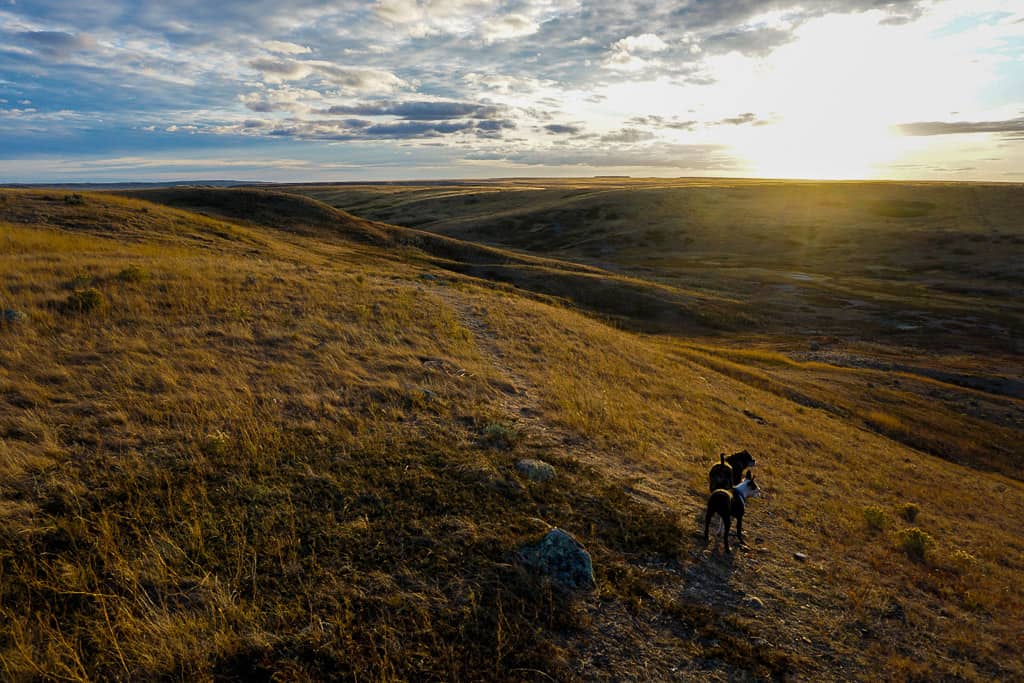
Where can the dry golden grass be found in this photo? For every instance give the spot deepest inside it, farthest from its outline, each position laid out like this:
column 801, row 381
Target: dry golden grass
column 281, row 454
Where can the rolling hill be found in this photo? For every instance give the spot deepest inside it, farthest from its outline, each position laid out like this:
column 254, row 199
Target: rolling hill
column 249, row 435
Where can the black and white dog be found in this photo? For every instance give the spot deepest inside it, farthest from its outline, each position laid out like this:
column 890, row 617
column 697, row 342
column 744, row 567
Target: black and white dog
column 729, row 503
column 729, row 471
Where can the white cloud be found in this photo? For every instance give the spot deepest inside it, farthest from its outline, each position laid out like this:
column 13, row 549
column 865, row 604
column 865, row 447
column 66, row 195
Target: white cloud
column 624, row 56
column 284, row 48
column 509, row 26
column 647, row 42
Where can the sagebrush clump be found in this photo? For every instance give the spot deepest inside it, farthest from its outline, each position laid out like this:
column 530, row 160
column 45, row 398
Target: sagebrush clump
column 909, row 511
column 84, row 301
column 916, row 543
column 875, row 517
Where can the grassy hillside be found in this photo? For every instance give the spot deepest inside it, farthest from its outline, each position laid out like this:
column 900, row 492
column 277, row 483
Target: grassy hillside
column 270, row 440
column 931, row 265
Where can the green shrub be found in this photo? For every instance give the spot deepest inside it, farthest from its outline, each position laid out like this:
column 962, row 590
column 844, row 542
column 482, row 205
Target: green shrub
column 961, row 560
column 74, row 198
column 915, row 542
column 875, row 517
column 84, row 301
column 501, row 435
column 133, row 274
column 908, row 511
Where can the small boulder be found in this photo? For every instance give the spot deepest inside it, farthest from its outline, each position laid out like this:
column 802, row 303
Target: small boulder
column 561, row 557
column 753, row 602
column 535, row 470
column 799, row 556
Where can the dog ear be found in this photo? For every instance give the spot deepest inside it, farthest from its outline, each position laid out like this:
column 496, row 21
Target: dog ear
column 750, row 475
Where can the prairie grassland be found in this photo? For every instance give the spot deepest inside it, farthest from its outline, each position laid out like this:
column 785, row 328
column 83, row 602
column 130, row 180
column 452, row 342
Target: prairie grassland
column 268, row 451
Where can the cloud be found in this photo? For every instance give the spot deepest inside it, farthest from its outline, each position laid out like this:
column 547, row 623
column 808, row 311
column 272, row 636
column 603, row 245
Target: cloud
column 54, row 43
column 624, row 54
column 647, row 42
column 284, row 48
column 653, row 121
column 563, row 129
column 753, row 42
column 421, row 110
column 628, row 136
column 361, row 129
column 276, row 70
column 354, row 79
column 358, row 79
column 747, row 118
column 1008, row 127
column 280, row 99
column 508, row 26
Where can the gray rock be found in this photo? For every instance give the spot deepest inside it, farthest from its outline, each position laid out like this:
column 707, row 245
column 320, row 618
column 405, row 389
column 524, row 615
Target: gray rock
column 428, row 276
column 536, row 470
column 799, row 556
column 12, row 316
column 561, row 557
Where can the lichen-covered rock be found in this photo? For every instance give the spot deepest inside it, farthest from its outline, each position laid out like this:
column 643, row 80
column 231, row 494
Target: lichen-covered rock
column 535, row 470
column 561, row 557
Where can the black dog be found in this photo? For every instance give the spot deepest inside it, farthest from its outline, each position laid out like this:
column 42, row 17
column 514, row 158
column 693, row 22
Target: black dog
column 729, row 503
column 729, row 471
column 720, row 476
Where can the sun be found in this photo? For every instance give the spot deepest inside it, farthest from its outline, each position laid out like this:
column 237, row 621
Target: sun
column 818, row 149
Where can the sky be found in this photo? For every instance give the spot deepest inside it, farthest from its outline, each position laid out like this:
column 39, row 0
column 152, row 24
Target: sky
column 305, row 90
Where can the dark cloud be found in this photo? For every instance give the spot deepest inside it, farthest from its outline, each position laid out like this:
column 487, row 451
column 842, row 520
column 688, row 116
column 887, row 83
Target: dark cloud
column 653, row 121
column 1010, row 127
column 757, row 42
column 422, row 110
column 359, row 129
column 563, row 129
column 628, row 136
column 745, row 119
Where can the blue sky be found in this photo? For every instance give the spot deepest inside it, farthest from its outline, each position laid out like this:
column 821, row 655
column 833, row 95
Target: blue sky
column 294, row 90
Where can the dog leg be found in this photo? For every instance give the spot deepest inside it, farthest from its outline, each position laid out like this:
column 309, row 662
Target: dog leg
column 739, row 530
column 726, row 522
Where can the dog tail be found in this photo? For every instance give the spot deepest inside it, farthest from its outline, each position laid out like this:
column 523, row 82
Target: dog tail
column 721, row 458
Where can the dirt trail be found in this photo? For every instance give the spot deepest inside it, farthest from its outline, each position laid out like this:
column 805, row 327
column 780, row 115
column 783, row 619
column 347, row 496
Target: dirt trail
column 520, row 399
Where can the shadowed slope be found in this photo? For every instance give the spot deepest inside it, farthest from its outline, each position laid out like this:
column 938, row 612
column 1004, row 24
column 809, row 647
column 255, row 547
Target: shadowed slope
column 635, row 302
